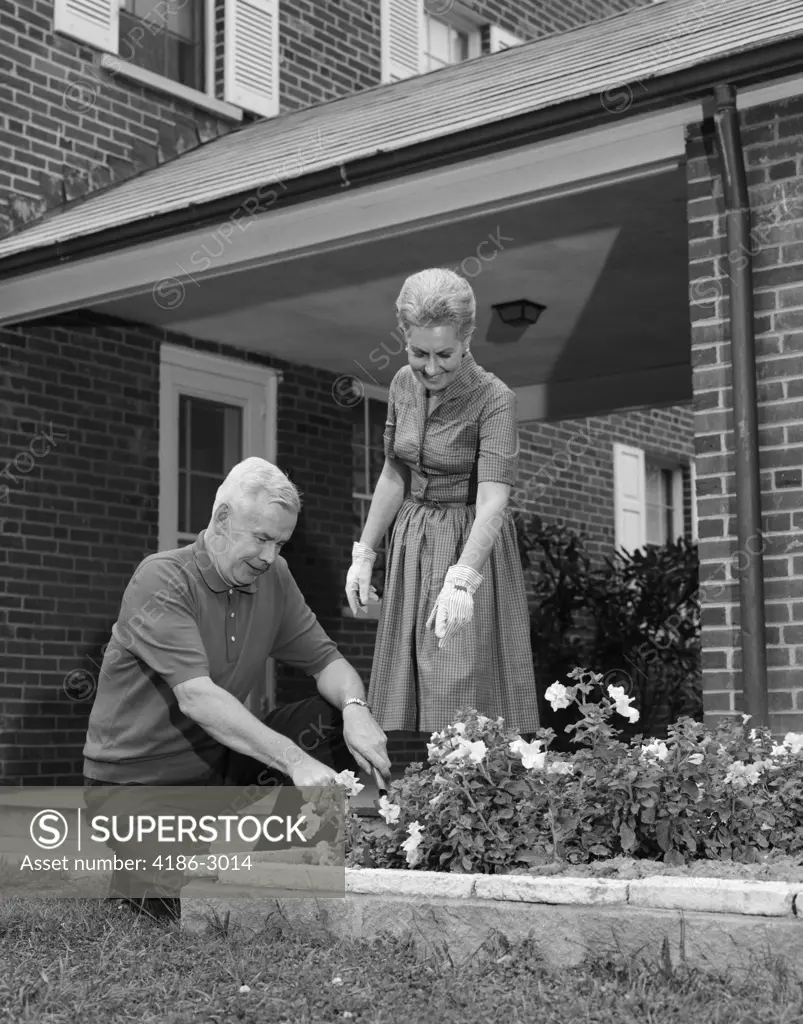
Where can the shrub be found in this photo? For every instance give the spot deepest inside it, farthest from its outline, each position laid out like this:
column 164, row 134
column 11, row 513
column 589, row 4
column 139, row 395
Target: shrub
column 635, row 619
column 489, row 802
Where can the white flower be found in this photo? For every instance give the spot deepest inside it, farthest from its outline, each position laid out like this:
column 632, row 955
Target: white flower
column 655, row 748
column 312, row 823
column 746, row 719
column 482, row 721
column 560, row 768
column 753, row 734
column 245, row 989
column 390, row 812
column 558, row 696
column 696, row 758
column 780, row 750
column 459, row 728
column 411, row 845
column 337, row 981
column 794, row 740
column 530, row 753
column 741, row 775
column 348, row 779
column 325, row 855
column 475, row 751
column 622, row 703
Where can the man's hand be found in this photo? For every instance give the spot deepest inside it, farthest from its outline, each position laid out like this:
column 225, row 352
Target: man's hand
column 309, row 773
column 366, row 741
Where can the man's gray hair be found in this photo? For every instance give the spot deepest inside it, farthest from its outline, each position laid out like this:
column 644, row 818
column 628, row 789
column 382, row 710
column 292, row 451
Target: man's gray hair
column 253, row 477
column 435, row 297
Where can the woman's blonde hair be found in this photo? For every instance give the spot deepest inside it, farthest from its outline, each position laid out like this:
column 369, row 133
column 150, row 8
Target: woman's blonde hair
column 435, row 297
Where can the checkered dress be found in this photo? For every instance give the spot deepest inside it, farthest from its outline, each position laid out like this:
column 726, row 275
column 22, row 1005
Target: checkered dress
column 469, row 438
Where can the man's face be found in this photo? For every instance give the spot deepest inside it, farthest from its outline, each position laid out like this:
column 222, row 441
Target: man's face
column 254, row 535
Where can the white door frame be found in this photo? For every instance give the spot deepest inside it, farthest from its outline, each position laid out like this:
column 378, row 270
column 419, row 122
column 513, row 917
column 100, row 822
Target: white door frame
column 255, row 389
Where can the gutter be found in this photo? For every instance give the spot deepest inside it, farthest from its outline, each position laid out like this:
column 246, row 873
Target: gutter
column 746, row 68
column 745, row 406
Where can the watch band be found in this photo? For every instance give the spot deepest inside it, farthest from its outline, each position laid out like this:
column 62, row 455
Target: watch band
column 355, row 700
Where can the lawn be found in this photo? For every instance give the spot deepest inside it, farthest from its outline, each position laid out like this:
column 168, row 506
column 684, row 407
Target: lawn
column 68, row 960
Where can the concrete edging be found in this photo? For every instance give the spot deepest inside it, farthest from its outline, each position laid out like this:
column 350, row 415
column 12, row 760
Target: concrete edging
column 725, row 923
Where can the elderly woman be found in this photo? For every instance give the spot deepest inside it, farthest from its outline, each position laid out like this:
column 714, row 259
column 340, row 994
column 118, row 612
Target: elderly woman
column 454, row 629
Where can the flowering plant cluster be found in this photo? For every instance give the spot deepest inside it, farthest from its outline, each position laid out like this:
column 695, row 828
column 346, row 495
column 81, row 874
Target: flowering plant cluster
column 491, row 801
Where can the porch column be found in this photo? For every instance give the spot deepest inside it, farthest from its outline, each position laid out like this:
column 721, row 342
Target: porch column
column 772, row 137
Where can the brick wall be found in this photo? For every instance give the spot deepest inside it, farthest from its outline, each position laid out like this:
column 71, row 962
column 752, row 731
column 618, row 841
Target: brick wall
column 773, row 143
column 566, row 467
column 79, row 445
column 532, row 19
column 69, row 127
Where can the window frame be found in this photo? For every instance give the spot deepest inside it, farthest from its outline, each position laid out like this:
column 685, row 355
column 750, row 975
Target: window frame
column 375, row 393
column 677, row 466
column 462, row 20
column 200, row 12
column 205, row 98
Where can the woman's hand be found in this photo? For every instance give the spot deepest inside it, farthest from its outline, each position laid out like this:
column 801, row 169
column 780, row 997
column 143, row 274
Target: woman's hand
column 358, row 580
column 454, row 607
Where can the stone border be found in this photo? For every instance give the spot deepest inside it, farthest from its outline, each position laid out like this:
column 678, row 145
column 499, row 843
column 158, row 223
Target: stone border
column 666, row 892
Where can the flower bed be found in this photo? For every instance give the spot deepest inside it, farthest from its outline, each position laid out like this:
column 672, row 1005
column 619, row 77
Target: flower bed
column 488, row 802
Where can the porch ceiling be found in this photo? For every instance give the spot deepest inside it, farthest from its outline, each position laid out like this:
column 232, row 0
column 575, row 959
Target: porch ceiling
column 610, row 265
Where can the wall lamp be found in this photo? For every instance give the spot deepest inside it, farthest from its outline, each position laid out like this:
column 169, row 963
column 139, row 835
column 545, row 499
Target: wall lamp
column 521, row 313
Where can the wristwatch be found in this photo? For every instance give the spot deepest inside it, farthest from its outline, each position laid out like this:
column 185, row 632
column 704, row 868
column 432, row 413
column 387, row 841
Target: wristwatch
column 355, row 700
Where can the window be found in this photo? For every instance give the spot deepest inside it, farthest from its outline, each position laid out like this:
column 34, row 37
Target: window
column 368, row 458
column 446, row 41
column 648, row 499
column 167, row 39
column 213, row 413
column 195, row 49
column 418, row 37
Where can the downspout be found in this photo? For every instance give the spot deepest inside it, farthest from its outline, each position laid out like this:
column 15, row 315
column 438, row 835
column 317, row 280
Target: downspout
column 745, row 407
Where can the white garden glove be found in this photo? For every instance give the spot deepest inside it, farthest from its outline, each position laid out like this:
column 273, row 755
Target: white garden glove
column 358, row 580
column 454, row 607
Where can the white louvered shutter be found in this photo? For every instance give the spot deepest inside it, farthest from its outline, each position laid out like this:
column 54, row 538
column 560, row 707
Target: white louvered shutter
column 500, row 39
column 93, row 22
column 693, row 496
column 402, row 28
column 251, row 55
column 629, row 497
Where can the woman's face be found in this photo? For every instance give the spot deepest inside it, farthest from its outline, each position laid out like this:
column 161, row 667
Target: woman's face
column 435, row 354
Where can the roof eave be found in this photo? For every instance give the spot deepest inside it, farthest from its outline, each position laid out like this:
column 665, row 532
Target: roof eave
column 748, row 68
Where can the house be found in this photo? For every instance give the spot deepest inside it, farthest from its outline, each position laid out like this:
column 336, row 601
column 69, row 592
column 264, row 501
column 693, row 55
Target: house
column 208, row 209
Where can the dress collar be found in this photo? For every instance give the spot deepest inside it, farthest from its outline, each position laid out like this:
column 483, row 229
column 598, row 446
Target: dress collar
column 467, row 379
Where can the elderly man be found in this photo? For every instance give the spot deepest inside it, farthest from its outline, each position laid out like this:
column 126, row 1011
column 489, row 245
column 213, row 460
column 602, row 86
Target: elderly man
column 195, row 629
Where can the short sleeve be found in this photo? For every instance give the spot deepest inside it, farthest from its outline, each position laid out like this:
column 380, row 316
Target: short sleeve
column 390, row 422
column 300, row 639
column 499, row 440
column 157, row 623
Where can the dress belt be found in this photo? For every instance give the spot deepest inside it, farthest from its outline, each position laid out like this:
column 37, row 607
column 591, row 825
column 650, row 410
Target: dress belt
column 432, row 503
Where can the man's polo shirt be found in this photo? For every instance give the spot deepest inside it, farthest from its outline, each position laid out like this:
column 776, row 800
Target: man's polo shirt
column 178, row 621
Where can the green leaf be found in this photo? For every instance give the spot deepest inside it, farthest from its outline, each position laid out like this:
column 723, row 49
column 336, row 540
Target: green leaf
column 628, row 837
column 662, row 833
column 674, row 858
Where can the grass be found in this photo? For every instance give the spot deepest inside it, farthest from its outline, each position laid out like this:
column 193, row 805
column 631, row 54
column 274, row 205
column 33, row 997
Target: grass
column 69, row 960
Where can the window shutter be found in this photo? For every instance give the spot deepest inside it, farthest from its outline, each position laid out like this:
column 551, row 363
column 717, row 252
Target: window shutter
column 251, row 55
column 500, row 39
column 629, row 497
column 93, row 22
column 402, row 28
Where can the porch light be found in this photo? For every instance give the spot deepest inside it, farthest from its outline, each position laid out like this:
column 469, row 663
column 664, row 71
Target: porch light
column 521, row 313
